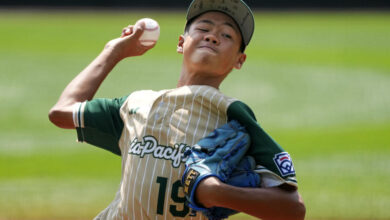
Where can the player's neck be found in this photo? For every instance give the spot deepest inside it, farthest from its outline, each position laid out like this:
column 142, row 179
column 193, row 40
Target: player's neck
column 194, row 76
column 198, row 79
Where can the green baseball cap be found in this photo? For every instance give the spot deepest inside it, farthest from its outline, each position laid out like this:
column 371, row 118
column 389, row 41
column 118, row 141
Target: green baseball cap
column 237, row 9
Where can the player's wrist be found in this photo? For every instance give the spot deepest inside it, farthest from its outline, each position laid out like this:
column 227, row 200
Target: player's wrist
column 111, row 55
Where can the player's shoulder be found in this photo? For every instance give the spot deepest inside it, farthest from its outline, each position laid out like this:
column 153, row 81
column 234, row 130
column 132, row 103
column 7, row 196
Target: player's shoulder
column 104, row 104
column 240, row 109
column 142, row 96
column 147, row 93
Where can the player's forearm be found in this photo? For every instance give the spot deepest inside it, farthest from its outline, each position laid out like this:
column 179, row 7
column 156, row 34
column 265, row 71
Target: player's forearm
column 264, row 203
column 82, row 87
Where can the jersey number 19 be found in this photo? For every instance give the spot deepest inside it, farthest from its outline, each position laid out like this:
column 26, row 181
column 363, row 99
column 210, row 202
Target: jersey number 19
column 174, row 196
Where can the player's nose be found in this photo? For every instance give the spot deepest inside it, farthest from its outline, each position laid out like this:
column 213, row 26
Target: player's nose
column 210, row 37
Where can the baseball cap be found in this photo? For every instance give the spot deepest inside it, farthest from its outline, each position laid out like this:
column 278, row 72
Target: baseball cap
column 237, row 9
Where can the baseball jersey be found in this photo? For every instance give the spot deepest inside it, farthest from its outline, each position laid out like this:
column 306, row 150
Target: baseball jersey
column 150, row 130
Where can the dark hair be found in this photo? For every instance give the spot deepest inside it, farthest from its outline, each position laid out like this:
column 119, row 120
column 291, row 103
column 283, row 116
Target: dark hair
column 188, row 25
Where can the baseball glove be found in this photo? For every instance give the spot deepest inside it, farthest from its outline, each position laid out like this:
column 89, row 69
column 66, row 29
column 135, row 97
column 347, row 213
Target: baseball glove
column 216, row 155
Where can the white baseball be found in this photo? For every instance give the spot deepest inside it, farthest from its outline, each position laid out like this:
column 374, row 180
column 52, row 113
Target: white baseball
column 151, row 32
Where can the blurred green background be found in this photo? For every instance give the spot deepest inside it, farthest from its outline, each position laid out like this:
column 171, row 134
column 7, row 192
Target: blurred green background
column 318, row 82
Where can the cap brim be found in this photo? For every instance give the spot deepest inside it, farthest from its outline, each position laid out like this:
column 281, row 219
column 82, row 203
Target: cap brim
column 237, row 9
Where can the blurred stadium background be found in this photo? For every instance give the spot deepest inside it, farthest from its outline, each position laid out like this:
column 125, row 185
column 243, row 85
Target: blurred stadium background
column 317, row 77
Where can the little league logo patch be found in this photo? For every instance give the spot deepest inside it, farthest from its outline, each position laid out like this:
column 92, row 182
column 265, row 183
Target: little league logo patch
column 284, row 163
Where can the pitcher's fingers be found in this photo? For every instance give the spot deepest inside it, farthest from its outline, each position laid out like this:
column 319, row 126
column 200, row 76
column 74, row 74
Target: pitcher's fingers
column 138, row 30
column 127, row 31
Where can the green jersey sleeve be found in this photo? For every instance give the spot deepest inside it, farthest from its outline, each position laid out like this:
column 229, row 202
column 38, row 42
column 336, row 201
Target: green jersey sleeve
column 98, row 122
column 269, row 155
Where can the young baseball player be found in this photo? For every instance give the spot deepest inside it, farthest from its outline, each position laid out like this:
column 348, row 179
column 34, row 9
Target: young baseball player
column 151, row 130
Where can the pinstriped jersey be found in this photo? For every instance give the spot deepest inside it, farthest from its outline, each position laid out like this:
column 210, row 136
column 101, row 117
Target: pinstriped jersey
column 152, row 129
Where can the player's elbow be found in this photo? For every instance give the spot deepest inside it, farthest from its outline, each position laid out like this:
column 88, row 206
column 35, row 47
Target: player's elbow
column 299, row 211
column 294, row 208
column 296, row 211
column 297, row 208
column 61, row 118
column 54, row 116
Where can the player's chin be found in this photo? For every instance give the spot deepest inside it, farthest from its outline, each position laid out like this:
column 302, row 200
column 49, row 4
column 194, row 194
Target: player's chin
column 203, row 61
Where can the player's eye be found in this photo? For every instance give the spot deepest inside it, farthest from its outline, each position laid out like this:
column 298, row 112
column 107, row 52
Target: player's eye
column 227, row 36
column 202, row 29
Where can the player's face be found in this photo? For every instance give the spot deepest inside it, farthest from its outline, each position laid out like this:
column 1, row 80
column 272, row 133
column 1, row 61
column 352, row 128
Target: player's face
column 212, row 45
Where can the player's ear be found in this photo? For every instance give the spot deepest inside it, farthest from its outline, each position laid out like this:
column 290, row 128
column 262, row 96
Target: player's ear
column 240, row 61
column 180, row 44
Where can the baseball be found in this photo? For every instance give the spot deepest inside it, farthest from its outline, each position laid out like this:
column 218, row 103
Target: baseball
column 151, row 31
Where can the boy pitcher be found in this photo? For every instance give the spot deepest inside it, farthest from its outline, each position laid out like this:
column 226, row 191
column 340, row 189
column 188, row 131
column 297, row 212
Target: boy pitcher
column 151, row 130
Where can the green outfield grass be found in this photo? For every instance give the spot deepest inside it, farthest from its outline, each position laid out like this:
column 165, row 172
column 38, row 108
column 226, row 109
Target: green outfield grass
column 318, row 82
